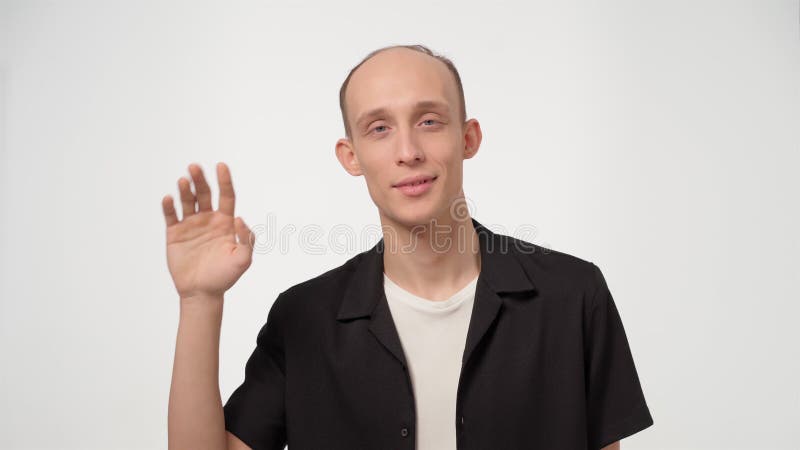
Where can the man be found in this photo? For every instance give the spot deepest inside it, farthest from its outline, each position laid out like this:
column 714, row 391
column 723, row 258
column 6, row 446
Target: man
column 444, row 335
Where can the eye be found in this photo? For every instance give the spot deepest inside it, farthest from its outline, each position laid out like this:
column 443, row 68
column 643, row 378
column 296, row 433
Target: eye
column 378, row 128
column 429, row 120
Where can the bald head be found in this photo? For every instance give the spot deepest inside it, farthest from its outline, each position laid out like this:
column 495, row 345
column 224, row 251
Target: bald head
column 394, row 74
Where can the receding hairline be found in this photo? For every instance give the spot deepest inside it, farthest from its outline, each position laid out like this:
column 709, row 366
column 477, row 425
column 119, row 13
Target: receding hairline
column 417, row 48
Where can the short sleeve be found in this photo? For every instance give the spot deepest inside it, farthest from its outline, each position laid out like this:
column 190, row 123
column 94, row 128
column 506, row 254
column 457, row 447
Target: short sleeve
column 616, row 407
column 255, row 410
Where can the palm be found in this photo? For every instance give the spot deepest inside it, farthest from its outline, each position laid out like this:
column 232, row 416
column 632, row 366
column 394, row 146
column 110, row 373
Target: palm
column 203, row 254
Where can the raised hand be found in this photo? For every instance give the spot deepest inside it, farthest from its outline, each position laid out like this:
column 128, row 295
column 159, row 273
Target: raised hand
column 203, row 254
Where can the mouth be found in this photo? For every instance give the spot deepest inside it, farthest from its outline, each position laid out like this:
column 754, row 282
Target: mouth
column 415, row 186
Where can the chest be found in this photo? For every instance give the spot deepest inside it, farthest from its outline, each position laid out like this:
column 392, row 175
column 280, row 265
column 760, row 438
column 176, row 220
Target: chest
column 350, row 383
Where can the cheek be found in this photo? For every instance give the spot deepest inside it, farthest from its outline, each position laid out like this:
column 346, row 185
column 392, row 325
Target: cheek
column 450, row 159
column 448, row 146
column 376, row 180
column 454, row 167
column 444, row 140
column 368, row 164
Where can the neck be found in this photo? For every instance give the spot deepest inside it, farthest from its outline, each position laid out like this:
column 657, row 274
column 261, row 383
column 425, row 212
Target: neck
column 431, row 260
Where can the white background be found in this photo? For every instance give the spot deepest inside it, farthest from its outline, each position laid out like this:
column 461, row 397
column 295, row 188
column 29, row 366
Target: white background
column 656, row 139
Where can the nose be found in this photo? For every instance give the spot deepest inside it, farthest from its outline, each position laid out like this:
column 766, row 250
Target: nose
column 409, row 151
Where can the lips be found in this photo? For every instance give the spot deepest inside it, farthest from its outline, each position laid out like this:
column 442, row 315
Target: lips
column 415, row 180
column 416, row 186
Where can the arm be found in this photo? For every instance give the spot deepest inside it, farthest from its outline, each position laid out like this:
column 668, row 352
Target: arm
column 616, row 407
column 194, row 394
column 614, row 446
column 195, row 417
column 204, row 260
column 234, row 443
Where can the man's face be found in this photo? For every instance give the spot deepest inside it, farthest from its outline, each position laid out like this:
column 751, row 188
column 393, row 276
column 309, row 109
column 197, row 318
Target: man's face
column 405, row 120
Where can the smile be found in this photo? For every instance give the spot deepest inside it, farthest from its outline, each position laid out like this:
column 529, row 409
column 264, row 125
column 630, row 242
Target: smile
column 416, row 187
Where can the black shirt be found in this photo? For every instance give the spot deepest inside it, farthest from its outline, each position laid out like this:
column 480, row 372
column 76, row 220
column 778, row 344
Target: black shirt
column 546, row 363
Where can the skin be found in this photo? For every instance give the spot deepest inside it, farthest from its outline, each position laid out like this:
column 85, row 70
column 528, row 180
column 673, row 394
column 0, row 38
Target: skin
column 406, row 140
column 208, row 250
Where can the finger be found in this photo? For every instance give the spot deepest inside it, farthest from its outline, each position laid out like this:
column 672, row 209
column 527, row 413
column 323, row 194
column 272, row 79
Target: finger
column 168, row 206
column 227, row 198
column 201, row 188
column 187, row 197
column 246, row 237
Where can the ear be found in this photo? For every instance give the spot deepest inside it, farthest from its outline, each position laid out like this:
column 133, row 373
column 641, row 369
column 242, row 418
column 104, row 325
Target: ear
column 346, row 155
column 472, row 138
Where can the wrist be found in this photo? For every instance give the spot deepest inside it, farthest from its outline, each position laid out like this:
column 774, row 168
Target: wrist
column 202, row 300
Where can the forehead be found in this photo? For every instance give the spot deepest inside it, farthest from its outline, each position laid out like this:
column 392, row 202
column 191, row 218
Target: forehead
column 399, row 78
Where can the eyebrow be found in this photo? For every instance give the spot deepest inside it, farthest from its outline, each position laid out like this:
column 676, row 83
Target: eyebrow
column 423, row 104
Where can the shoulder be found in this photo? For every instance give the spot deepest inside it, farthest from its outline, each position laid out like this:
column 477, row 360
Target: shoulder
column 553, row 270
column 320, row 290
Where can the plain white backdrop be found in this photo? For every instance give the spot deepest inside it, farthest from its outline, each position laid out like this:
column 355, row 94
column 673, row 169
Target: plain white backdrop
column 660, row 140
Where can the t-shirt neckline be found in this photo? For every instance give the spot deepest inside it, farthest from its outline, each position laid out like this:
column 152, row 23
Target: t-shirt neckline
column 431, row 305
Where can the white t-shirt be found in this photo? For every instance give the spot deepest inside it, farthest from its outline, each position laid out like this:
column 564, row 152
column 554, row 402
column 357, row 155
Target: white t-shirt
column 433, row 335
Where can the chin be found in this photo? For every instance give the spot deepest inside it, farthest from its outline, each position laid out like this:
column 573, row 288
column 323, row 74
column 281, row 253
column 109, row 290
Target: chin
column 410, row 216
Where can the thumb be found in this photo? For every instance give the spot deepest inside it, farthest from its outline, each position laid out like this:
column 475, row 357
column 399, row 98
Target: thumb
column 246, row 237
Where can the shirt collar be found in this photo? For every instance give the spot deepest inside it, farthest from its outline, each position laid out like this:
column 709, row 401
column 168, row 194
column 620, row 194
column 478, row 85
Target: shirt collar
column 501, row 270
